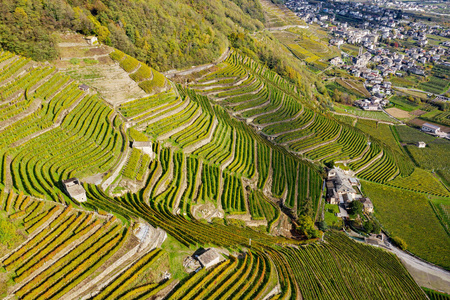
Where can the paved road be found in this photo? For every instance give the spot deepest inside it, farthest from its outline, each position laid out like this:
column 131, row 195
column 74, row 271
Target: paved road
column 425, row 274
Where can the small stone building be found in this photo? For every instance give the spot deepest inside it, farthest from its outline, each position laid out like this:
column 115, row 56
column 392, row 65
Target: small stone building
column 209, row 258
column 74, row 189
column 84, row 87
column 92, row 40
column 421, row 144
column 146, row 147
column 367, row 205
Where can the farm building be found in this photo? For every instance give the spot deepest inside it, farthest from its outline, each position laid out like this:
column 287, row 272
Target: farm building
column 431, row 128
column 337, row 61
column 146, row 147
column 74, row 189
column 421, row 144
column 84, row 87
column 367, row 205
column 209, row 258
column 91, row 40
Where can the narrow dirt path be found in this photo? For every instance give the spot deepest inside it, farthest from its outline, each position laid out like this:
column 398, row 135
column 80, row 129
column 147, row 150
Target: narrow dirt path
column 321, row 144
column 203, row 141
column 283, row 121
column 166, row 135
column 294, row 130
column 370, row 163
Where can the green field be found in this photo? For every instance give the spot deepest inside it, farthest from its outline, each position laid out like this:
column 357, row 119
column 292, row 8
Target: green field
column 426, row 157
column 410, row 216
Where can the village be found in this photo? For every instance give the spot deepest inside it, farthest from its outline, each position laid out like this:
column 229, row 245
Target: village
column 377, row 30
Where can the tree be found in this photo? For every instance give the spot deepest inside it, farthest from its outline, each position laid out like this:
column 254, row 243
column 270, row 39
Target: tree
column 376, row 228
column 323, row 225
column 399, row 242
column 305, row 226
column 368, row 226
column 356, row 207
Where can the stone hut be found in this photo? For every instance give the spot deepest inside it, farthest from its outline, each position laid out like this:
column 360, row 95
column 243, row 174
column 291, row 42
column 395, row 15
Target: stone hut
column 74, row 189
column 209, row 258
column 146, row 147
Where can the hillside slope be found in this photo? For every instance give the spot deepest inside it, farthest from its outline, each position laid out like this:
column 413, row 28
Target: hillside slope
column 206, row 165
column 164, row 34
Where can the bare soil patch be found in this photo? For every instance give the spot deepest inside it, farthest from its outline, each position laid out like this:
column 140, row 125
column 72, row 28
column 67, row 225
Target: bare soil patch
column 418, row 112
column 398, row 113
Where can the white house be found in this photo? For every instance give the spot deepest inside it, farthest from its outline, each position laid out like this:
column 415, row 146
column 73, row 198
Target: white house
column 91, row 40
column 421, row 144
column 146, row 147
column 426, row 127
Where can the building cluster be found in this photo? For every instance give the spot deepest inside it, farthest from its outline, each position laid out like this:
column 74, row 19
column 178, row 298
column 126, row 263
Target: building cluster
column 319, row 12
column 419, row 6
column 343, row 189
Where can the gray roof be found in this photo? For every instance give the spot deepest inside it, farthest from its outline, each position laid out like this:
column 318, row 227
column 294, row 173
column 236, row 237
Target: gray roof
column 431, row 126
column 137, row 144
column 208, row 256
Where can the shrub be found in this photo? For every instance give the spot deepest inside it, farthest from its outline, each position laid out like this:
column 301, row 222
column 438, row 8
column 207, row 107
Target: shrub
column 399, row 242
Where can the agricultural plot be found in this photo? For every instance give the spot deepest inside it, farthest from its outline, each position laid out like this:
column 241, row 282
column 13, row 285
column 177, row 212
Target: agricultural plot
column 409, row 215
column 381, row 132
column 421, row 181
column 382, row 170
column 353, row 111
column 149, row 79
column 262, row 209
column 137, row 165
column 426, row 157
column 225, row 280
column 70, row 134
column 148, row 105
column 233, row 196
column 65, row 247
column 74, row 134
column 309, row 265
column 438, row 83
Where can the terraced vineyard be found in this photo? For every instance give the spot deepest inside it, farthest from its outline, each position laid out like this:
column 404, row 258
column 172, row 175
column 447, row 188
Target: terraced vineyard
column 66, row 249
column 276, row 111
column 207, row 164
